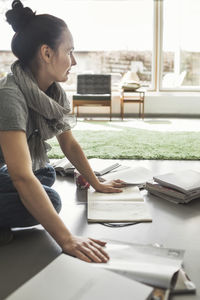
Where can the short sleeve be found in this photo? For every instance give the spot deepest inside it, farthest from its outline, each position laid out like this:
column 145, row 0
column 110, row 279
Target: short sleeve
column 13, row 110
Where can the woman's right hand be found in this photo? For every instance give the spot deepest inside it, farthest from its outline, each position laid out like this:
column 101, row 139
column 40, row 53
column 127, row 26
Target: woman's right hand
column 87, row 249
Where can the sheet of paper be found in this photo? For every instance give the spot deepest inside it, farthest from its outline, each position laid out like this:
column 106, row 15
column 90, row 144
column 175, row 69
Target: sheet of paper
column 102, row 166
column 145, row 263
column 130, row 193
column 68, row 278
column 183, row 284
column 118, row 212
column 131, row 175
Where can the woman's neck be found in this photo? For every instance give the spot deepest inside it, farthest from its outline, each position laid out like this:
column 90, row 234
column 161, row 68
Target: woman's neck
column 41, row 77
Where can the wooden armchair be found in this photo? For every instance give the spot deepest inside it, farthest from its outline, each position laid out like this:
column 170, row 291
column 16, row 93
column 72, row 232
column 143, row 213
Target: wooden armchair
column 93, row 90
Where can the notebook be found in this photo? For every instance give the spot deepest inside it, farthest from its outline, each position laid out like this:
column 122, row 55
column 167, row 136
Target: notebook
column 184, row 181
column 99, row 166
column 172, row 193
column 127, row 206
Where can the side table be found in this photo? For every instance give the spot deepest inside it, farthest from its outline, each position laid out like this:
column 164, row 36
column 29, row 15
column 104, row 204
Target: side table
column 129, row 95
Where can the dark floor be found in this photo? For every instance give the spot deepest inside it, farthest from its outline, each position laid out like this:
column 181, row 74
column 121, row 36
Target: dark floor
column 173, row 225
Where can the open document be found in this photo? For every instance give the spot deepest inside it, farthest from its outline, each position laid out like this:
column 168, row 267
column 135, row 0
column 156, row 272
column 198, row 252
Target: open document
column 148, row 264
column 68, row 278
column 99, row 166
column 132, row 176
column 127, row 206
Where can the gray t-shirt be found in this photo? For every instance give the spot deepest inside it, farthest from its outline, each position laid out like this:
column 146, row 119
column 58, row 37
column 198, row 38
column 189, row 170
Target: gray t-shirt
column 14, row 112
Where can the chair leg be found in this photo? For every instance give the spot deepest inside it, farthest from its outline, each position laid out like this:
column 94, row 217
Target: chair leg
column 143, row 110
column 140, row 110
column 122, row 109
column 143, row 95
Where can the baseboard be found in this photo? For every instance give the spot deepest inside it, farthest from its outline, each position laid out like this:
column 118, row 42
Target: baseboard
column 131, row 116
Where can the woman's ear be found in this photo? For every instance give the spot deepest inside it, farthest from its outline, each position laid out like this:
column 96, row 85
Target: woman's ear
column 46, row 53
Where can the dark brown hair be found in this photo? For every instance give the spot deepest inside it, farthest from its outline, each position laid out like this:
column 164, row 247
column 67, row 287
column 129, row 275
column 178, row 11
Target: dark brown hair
column 32, row 31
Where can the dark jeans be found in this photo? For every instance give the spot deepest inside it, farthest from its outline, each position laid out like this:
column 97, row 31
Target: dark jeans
column 12, row 211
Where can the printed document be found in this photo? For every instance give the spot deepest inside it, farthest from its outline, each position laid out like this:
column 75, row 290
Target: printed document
column 127, row 206
column 145, row 263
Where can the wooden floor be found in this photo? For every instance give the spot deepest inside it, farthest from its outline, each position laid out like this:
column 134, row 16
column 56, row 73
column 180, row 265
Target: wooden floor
column 33, row 249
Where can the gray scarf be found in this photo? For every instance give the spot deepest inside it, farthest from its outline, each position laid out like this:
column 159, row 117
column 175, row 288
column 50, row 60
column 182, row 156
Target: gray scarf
column 48, row 112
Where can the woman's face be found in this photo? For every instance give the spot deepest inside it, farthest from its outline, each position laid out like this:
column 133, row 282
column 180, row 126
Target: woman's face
column 63, row 59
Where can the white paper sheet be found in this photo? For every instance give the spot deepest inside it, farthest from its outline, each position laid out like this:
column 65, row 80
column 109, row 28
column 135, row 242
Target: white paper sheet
column 131, row 175
column 68, row 278
column 145, row 263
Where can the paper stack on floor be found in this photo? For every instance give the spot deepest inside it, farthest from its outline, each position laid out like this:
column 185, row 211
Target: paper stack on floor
column 178, row 187
column 100, row 166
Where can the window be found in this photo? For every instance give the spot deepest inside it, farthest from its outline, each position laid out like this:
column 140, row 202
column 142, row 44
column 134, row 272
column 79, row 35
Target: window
column 156, row 39
column 109, row 36
column 112, row 37
column 181, row 49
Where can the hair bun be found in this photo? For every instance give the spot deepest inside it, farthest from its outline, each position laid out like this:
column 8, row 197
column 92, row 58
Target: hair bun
column 17, row 4
column 19, row 16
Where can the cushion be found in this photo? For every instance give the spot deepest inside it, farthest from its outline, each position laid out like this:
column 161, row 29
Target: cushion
column 91, row 97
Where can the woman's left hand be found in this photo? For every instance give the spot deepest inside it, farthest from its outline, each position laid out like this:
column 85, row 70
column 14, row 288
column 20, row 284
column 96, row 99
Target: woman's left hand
column 113, row 186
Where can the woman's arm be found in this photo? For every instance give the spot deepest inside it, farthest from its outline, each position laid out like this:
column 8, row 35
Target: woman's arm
column 75, row 154
column 37, row 202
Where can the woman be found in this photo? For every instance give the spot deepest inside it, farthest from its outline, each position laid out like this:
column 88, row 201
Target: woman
column 34, row 108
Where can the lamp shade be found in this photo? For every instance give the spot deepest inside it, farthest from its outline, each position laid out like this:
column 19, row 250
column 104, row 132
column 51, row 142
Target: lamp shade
column 130, row 77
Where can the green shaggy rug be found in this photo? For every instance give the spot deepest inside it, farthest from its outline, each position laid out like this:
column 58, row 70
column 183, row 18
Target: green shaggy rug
column 117, row 142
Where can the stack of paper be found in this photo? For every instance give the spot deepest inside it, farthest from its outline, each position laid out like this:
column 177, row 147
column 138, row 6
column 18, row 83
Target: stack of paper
column 177, row 187
column 127, row 206
column 63, row 167
column 99, row 166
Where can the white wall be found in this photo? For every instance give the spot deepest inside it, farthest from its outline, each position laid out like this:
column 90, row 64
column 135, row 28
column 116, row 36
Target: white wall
column 173, row 104
column 158, row 104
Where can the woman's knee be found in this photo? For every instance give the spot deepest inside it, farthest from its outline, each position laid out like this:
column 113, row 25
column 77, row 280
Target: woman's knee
column 46, row 176
column 55, row 199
